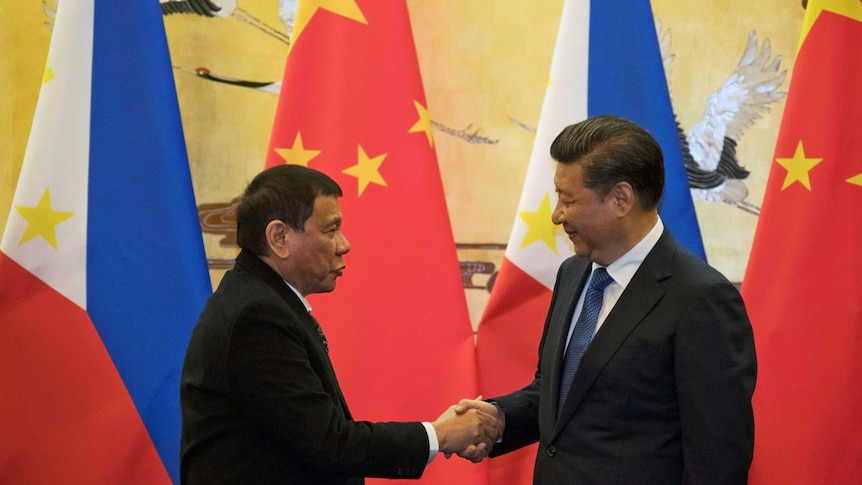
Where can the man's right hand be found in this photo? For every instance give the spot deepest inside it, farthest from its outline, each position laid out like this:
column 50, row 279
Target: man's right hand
column 468, row 429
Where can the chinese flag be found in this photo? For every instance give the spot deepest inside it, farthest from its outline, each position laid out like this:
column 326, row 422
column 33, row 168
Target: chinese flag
column 803, row 284
column 352, row 106
column 606, row 61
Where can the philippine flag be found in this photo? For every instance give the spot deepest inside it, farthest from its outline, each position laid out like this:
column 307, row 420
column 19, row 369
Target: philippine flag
column 102, row 269
column 606, row 61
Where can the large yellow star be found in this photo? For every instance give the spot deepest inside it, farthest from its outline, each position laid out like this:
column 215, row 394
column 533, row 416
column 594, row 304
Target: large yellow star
column 367, row 170
column 851, row 9
column 297, row 154
column 539, row 225
column 42, row 220
column 424, row 123
column 798, row 167
column 307, row 8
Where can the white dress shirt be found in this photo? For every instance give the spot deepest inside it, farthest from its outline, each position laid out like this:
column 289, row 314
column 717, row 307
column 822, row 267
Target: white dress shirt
column 622, row 270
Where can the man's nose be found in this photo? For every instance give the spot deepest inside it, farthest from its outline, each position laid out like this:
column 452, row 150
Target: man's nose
column 343, row 245
column 557, row 214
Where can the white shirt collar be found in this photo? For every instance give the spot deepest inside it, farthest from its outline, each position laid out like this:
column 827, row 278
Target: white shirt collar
column 623, row 269
column 301, row 298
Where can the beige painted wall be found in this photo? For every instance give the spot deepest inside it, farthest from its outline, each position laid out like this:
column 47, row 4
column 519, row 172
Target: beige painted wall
column 484, row 65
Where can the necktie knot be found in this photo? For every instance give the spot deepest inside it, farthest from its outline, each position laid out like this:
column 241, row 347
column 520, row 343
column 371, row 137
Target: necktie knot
column 601, row 279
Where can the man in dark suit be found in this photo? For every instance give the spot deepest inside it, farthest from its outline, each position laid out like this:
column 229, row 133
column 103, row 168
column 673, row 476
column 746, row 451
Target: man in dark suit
column 662, row 392
column 260, row 400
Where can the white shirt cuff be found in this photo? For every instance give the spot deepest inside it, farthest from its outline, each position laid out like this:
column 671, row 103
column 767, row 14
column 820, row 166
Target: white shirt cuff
column 433, row 444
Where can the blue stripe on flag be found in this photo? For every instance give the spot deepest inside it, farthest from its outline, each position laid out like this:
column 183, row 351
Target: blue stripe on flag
column 147, row 278
column 626, row 78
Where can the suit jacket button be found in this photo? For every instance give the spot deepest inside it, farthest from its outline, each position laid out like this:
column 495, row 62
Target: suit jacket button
column 552, row 450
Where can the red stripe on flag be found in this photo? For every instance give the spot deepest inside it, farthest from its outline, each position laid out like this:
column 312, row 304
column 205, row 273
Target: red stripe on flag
column 508, row 338
column 67, row 417
column 507, row 347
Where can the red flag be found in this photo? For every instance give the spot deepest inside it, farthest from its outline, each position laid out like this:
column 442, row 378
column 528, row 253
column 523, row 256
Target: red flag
column 352, row 106
column 803, row 284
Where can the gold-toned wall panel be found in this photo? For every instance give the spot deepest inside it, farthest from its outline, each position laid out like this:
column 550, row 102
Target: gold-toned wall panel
column 485, row 67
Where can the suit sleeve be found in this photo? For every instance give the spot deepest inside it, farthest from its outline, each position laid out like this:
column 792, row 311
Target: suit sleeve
column 522, row 406
column 716, row 367
column 275, row 381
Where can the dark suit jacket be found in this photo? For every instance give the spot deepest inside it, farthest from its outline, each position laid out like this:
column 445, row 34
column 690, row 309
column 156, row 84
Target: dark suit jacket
column 261, row 403
column 662, row 394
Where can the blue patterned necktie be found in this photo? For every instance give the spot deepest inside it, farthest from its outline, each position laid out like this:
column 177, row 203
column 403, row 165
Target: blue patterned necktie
column 584, row 329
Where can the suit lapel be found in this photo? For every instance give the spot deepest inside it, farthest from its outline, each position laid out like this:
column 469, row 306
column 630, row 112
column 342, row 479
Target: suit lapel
column 254, row 265
column 639, row 297
column 570, row 290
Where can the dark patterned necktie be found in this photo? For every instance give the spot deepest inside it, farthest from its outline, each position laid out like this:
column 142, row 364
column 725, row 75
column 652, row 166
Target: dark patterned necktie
column 585, row 327
column 320, row 332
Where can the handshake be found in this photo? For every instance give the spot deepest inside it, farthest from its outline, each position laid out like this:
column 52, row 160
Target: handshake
column 470, row 429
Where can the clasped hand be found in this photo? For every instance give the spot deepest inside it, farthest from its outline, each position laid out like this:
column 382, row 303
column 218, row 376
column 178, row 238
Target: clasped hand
column 469, row 429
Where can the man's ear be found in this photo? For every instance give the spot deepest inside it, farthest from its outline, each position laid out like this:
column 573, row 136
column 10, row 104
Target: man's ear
column 623, row 196
column 278, row 235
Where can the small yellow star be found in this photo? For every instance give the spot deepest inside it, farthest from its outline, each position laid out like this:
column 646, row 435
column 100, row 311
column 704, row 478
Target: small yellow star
column 424, row 123
column 297, row 154
column 366, row 170
column 42, row 220
column 856, row 180
column 798, row 167
column 48, row 74
column 308, row 8
column 539, row 225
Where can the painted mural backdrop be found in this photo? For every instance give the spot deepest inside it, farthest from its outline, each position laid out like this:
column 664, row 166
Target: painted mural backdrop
column 485, row 68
